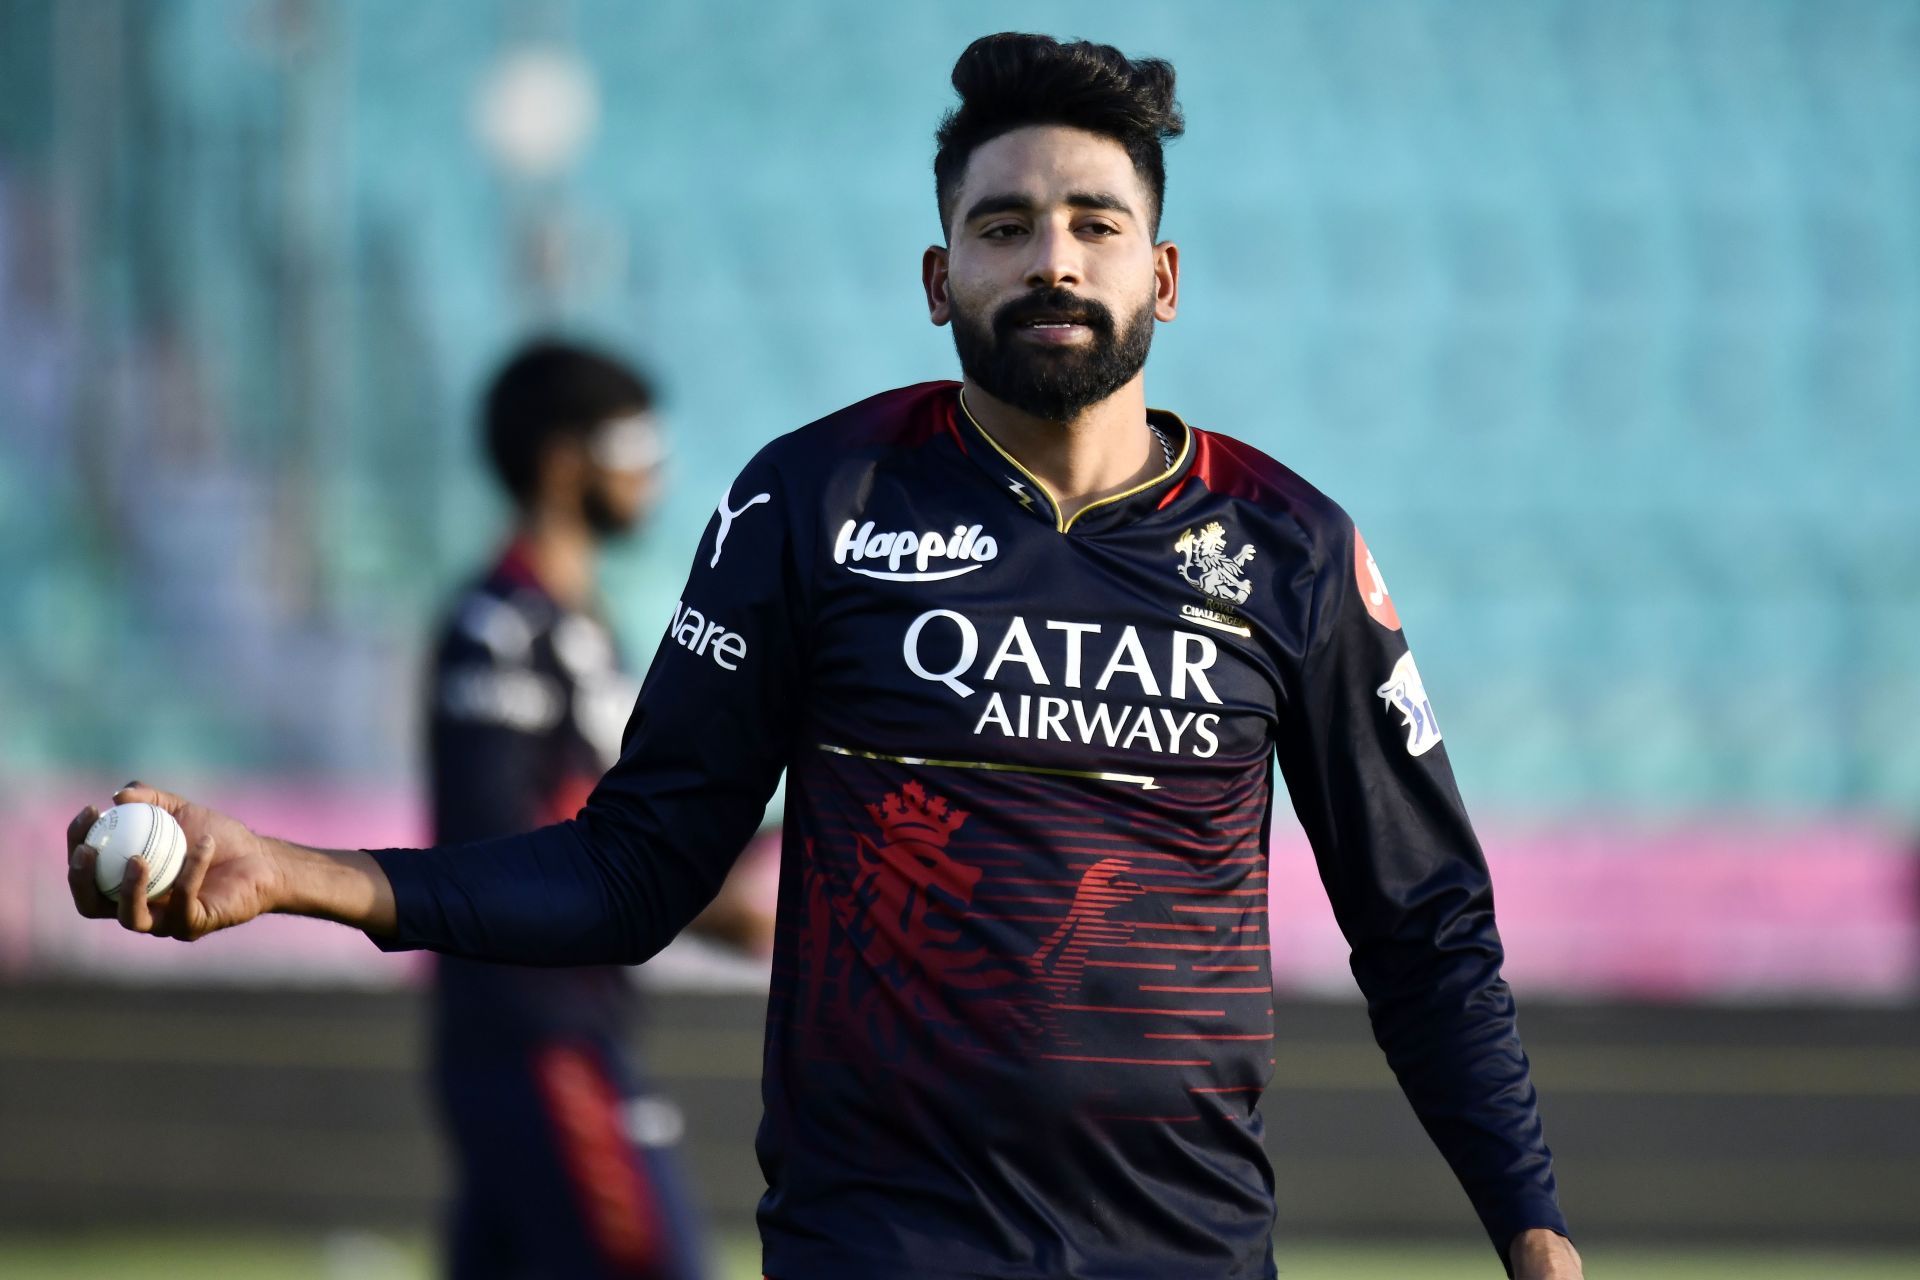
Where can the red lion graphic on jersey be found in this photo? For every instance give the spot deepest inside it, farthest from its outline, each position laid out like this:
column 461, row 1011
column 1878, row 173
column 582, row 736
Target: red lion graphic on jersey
column 903, row 916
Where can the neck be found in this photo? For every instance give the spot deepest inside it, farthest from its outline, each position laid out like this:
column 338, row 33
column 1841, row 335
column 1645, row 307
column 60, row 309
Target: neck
column 562, row 553
column 1104, row 449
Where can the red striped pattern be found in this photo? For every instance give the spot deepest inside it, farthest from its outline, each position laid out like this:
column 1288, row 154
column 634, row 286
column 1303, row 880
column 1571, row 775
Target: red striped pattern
column 615, row 1199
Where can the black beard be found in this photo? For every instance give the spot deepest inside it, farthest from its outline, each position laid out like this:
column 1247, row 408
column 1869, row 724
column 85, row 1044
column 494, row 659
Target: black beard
column 1052, row 384
column 601, row 518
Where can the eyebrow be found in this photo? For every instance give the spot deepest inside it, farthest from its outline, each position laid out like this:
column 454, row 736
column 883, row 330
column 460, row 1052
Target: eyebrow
column 1012, row 202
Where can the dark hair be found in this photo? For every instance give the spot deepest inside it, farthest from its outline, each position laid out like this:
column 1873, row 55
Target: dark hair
column 1012, row 80
column 550, row 389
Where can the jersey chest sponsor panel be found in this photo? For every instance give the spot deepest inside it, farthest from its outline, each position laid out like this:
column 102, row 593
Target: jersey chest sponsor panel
column 1054, row 651
column 1033, row 796
column 1030, row 799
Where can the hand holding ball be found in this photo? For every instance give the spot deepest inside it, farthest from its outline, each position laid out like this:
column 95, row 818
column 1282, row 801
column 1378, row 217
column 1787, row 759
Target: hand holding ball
column 229, row 876
column 139, row 830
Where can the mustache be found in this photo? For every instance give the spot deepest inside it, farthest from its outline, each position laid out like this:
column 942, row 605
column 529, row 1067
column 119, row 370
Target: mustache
column 1053, row 303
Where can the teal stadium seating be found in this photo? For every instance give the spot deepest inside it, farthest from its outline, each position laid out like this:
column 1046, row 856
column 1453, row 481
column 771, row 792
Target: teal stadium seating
column 1602, row 318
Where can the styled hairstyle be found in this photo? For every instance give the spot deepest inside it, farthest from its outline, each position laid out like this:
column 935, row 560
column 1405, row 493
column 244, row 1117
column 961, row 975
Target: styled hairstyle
column 1012, row 80
column 550, row 389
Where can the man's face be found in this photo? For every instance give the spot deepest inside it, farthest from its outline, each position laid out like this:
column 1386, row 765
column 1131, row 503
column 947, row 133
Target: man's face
column 1051, row 277
column 622, row 475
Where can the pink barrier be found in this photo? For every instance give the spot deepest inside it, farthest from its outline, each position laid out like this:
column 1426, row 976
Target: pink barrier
column 1724, row 909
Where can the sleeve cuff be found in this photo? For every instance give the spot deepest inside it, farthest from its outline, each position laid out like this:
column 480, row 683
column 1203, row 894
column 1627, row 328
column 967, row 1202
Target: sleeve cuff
column 404, row 878
column 1527, row 1215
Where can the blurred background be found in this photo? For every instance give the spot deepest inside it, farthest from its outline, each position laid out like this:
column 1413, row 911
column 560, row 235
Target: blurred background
column 1602, row 318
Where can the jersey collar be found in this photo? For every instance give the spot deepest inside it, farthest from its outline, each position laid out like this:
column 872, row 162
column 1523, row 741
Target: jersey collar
column 515, row 572
column 515, row 567
column 1027, row 489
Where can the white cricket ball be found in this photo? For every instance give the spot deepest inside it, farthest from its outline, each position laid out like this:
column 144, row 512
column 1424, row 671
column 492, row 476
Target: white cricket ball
column 139, row 830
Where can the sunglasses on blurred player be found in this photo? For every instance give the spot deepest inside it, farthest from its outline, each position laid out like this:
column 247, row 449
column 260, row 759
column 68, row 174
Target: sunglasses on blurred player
column 632, row 443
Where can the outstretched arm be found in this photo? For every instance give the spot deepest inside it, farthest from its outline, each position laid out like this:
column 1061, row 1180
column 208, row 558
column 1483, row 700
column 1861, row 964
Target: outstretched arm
column 701, row 755
column 230, row 875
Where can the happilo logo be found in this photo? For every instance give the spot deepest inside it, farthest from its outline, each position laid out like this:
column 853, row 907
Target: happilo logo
column 910, row 556
column 1404, row 692
column 1207, row 567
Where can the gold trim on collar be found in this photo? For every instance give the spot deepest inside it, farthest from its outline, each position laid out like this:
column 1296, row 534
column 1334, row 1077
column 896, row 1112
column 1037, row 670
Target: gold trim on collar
column 1061, row 526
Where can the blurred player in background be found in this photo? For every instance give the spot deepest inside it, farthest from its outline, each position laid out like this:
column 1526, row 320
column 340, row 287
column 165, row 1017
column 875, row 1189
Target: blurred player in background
column 564, row 1160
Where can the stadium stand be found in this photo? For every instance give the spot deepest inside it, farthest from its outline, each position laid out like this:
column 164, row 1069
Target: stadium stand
column 1603, row 320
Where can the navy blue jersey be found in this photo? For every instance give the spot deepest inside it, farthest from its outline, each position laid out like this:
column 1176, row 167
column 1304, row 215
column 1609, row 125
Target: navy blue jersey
column 1022, row 1015
column 527, row 700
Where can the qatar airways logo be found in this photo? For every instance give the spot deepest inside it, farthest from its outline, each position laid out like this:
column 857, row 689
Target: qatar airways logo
column 928, row 557
column 945, row 647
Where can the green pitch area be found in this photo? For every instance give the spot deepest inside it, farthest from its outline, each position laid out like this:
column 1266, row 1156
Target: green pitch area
column 355, row 1256
column 1453, row 1262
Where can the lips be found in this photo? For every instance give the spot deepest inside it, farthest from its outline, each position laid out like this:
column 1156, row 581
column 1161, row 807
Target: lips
column 1053, row 333
column 1054, row 328
column 1054, row 317
column 1053, row 320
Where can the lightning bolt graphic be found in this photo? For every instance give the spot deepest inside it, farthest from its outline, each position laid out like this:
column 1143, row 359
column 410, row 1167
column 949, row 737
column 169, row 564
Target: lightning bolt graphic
column 1020, row 492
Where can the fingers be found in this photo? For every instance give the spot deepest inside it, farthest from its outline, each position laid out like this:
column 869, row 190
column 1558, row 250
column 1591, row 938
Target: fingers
column 134, row 911
column 179, row 912
column 87, row 898
column 81, row 824
column 137, row 792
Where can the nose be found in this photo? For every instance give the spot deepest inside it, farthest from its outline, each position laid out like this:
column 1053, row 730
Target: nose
column 1056, row 258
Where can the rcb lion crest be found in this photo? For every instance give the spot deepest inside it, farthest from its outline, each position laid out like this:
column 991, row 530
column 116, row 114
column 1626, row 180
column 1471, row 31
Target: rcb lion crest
column 1205, row 564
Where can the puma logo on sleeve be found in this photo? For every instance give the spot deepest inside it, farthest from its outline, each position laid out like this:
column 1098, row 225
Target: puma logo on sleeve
column 728, row 517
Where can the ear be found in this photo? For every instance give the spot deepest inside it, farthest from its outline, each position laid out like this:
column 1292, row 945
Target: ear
column 1166, row 280
column 561, row 468
column 933, row 277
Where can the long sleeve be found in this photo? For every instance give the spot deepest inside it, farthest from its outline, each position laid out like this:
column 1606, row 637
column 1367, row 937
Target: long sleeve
column 1370, row 781
column 700, row 757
